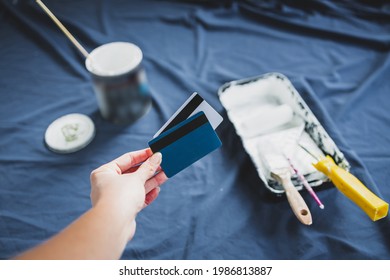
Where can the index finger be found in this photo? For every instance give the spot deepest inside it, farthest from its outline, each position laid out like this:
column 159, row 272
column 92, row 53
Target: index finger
column 128, row 160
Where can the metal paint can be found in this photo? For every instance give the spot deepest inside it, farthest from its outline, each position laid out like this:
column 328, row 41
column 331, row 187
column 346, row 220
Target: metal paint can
column 119, row 82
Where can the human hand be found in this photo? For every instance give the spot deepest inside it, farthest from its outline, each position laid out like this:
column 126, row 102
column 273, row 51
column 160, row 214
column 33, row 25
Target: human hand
column 125, row 187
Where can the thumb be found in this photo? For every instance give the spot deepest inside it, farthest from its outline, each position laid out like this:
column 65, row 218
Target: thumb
column 149, row 167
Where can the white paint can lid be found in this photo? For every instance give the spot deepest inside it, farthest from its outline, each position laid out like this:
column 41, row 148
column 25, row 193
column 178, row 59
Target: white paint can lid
column 114, row 59
column 69, row 133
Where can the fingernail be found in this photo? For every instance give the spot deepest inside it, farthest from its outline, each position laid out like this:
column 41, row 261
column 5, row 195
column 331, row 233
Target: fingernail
column 158, row 189
column 156, row 158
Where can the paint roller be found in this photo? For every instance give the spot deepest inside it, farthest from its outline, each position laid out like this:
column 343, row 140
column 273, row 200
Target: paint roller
column 262, row 120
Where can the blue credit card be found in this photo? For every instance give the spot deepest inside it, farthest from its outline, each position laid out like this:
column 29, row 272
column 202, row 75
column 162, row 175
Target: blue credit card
column 185, row 143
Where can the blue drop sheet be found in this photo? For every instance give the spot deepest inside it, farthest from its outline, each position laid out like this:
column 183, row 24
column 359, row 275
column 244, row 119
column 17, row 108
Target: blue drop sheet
column 337, row 54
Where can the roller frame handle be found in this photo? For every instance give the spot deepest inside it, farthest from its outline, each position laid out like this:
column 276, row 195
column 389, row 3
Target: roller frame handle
column 354, row 189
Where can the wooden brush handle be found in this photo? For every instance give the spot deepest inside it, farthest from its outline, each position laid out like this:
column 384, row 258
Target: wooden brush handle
column 297, row 204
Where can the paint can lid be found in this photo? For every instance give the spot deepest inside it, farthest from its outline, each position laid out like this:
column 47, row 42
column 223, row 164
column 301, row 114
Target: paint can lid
column 69, row 133
column 114, row 59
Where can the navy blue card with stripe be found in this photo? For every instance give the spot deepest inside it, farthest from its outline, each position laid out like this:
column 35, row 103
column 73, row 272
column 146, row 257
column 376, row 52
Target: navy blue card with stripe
column 185, row 143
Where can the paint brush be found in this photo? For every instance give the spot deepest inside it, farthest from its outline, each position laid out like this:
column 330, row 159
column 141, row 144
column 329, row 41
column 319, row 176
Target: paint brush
column 279, row 169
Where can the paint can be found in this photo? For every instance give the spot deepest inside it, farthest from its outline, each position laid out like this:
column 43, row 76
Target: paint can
column 119, row 82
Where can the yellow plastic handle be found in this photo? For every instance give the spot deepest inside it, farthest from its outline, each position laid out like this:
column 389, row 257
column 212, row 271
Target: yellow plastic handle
column 351, row 187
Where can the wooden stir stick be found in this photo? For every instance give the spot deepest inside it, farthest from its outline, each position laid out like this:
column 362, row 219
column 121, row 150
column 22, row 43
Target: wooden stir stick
column 63, row 28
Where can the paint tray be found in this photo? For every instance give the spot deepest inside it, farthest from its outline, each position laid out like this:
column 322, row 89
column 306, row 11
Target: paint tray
column 271, row 117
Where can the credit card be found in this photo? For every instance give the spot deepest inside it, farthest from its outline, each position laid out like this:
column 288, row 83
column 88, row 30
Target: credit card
column 194, row 104
column 185, row 143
